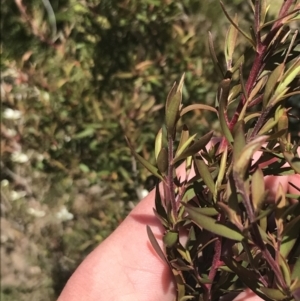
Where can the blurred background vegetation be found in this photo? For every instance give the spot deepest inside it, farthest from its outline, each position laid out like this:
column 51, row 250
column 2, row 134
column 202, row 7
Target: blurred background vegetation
column 77, row 76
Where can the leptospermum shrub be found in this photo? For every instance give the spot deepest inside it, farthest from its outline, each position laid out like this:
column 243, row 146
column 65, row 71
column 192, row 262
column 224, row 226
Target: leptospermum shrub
column 238, row 234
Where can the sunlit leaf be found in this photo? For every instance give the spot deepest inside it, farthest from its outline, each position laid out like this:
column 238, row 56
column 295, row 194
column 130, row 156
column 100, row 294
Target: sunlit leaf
column 236, row 26
column 212, row 225
column 170, row 239
column 273, row 294
column 224, row 89
column 194, row 148
column 204, row 172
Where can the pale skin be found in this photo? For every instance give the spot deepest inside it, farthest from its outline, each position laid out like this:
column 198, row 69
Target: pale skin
column 125, row 267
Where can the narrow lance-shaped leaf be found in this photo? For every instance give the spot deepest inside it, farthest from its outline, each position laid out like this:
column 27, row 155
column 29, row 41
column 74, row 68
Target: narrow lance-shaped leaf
column 257, row 188
column 230, row 43
column 239, row 139
column 288, row 77
column 213, row 225
column 162, row 160
column 290, row 235
column 236, row 26
column 155, row 245
column 158, row 143
column 273, row 79
column 194, row 148
column 246, row 275
column 204, row 173
column 172, row 107
column 273, row 294
column 183, row 145
column 223, row 99
column 222, row 171
column 241, row 163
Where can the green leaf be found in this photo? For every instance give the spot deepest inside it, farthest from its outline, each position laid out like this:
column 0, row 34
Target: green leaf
column 170, row 239
column 212, row 225
column 285, row 270
column 231, row 38
column 224, row 89
column 288, row 77
column 172, row 106
column 252, row 42
column 85, row 133
column 158, row 143
column 162, row 160
column 194, row 148
column 273, row 294
column 183, row 146
column 293, row 161
column 240, row 164
column 271, row 83
column 205, row 174
column 258, row 189
column 239, row 139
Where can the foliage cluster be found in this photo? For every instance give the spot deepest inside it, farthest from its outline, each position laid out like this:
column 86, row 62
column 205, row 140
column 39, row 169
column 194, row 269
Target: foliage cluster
column 238, row 234
column 76, row 77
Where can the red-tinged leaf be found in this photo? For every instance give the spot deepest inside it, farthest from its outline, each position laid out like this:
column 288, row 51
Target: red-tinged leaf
column 212, row 225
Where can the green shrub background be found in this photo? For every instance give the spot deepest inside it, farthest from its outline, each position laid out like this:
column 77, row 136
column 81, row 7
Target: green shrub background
column 82, row 75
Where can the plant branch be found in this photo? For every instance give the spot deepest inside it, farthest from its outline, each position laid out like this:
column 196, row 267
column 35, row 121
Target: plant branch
column 256, row 236
column 170, row 178
column 215, row 263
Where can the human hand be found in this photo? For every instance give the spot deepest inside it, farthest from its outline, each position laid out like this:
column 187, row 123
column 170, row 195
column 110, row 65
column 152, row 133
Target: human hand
column 125, row 266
